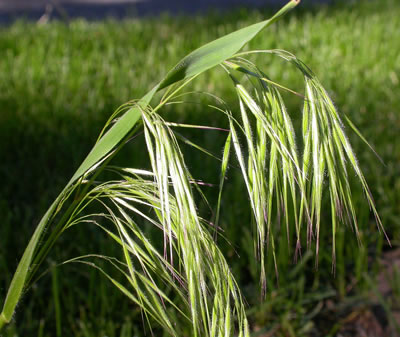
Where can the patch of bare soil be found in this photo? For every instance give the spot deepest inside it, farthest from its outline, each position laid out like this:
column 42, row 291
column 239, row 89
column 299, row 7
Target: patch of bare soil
column 381, row 318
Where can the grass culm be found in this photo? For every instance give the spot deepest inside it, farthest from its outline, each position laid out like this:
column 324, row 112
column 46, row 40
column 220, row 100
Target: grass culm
column 185, row 277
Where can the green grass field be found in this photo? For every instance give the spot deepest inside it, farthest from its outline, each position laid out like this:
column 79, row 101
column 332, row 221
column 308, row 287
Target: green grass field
column 58, row 85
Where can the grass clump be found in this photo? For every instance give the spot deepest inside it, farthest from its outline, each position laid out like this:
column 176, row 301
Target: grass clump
column 255, row 137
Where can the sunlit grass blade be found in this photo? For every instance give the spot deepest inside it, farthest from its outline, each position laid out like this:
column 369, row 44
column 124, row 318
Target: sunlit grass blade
column 224, row 168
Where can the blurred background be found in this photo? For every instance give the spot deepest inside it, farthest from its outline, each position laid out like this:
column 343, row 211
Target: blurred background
column 97, row 9
column 66, row 65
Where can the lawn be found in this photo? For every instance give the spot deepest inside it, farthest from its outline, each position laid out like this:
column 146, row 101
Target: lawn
column 60, row 82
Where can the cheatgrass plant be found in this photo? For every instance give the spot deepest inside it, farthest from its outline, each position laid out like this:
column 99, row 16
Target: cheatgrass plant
column 183, row 283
